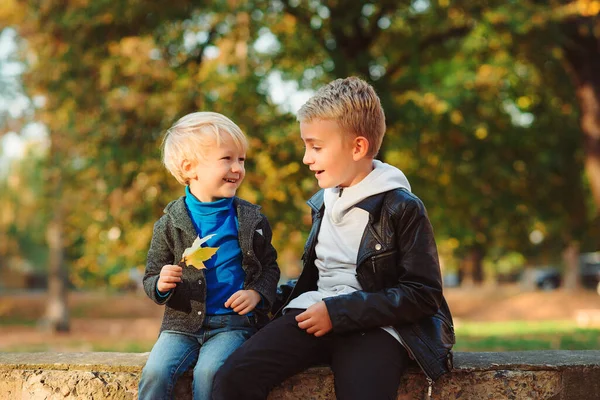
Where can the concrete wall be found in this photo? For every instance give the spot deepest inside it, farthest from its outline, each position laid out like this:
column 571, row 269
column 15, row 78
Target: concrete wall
column 555, row 375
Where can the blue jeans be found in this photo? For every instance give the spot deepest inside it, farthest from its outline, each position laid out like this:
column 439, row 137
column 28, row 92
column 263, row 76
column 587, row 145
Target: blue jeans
column 175, row 352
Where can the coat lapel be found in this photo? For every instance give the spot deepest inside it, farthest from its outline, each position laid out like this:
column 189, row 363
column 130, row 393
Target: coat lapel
column 181, row 220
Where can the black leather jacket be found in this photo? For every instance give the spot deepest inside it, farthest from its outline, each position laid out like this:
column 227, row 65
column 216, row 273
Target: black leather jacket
column 399, row 272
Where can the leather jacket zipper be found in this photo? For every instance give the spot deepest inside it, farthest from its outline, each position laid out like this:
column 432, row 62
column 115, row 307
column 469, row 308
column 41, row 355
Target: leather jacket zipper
column 410, row 352
column 373, row 264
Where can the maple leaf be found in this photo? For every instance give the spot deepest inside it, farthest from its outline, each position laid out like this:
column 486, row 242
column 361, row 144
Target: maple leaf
column 195, row 255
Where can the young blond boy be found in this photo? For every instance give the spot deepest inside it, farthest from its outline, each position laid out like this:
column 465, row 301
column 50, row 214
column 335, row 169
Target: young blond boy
column 208, row 312
column 370, row 294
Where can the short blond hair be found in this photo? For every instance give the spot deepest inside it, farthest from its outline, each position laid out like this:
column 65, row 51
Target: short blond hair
column 192, row 136
column 354, row 105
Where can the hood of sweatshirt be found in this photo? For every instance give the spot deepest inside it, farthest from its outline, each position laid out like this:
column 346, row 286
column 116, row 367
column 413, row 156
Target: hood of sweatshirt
column 384, row 177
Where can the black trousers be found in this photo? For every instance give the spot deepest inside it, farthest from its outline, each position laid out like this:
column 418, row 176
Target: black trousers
column 365, row 365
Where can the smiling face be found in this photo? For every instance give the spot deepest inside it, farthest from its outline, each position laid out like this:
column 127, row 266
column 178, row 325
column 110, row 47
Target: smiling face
column 336, row 158
column 219, row 173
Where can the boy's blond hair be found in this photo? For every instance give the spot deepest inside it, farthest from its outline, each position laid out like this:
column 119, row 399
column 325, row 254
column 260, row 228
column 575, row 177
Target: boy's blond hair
column 190, row 137
column 355, row 106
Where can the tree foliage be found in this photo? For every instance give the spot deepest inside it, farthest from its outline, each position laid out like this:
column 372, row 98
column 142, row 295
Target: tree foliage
column 481, row 108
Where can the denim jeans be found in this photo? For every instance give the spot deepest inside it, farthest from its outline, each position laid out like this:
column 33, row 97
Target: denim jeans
column 175, row 352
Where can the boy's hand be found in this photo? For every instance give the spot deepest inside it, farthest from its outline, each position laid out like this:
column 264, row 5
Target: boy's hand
column 243, row 301
column 170, row 275
column 315, row 320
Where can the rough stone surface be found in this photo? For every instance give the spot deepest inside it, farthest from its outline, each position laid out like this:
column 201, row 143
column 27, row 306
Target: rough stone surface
column 582, row 383
column 551, row 375
column 67, row 385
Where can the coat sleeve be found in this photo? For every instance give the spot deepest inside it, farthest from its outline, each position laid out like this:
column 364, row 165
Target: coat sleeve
column 416, row 294
column 266, row 283
column 159, row 254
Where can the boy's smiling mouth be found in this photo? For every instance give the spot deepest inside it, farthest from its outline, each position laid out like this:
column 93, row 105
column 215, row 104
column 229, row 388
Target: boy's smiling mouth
column 229, row 180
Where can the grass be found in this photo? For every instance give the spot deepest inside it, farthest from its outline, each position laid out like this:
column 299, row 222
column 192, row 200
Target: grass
column 470, row 336
column 525, row 335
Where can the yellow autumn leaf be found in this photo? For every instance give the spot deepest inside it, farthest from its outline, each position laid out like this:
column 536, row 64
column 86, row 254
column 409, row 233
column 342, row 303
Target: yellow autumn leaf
column 195, row 255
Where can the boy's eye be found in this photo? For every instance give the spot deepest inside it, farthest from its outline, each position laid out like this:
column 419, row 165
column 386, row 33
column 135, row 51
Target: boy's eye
column 315, row 148
column 241, row 159
column 226, row 158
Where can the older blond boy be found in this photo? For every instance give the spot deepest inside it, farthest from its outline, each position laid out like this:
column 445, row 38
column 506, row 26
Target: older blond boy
column 210, row 311
column 370, row 294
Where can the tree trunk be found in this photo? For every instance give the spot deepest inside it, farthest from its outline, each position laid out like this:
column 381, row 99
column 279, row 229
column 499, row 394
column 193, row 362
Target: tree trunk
column 57, row 312
column 477, row 256
column 471, row 270
column 571, row 260
column 583, row 56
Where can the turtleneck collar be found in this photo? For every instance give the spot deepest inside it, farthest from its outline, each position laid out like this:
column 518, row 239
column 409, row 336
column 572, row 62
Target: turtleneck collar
column 212, row 208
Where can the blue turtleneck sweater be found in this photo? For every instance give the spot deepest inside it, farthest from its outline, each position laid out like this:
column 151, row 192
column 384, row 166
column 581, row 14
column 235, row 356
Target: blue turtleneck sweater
column 224, row 273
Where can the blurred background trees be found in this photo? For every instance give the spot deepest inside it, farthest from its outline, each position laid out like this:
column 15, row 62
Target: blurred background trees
column 493, row 112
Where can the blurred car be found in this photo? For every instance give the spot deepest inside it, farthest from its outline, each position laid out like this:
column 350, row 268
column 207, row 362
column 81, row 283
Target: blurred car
column 451, row 279
column 548, row 278
column 542, row 277
column 589, row 270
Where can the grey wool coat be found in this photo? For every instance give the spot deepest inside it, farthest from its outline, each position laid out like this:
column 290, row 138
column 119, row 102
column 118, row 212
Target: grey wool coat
column 185, row 307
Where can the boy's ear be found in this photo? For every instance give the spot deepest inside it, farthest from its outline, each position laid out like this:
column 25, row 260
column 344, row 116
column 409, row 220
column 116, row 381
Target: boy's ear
column 361, row 148
column 188, row 169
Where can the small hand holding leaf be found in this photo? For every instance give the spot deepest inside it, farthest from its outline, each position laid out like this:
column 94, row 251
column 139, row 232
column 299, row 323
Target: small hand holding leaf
column 195, row 255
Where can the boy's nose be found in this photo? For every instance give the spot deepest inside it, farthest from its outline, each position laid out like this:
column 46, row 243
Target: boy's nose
column 306, row 159
column 236, row 166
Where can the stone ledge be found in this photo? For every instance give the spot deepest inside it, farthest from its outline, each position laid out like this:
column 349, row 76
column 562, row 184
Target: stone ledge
column 553, row 375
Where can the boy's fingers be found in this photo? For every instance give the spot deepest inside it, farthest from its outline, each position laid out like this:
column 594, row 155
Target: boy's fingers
column 170, row 279
column 240, row 306
column 231, row 299
column 313, row 329
column 245, row 310
column 305, row 324
column 241, row 299
column 302, row 316
column 167, row 286
column 173, row 268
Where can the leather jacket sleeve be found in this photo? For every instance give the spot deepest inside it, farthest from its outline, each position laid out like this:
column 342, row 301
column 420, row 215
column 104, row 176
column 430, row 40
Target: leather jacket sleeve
column 417, row 291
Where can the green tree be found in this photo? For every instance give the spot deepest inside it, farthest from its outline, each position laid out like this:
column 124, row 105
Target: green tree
column 115, row 76
column 471, row 116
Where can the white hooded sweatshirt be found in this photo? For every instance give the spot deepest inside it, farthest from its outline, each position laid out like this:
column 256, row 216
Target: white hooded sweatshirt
column 341, row 231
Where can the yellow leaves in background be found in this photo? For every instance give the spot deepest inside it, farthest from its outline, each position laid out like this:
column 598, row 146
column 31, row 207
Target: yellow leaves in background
column 456, row 117
column 11, row 11
column 524, row 102
column 272, row 177
column 585, row 8
column 137, row 56
column 427, row 101
column 195, row 255
column 588, row 8
column 444, row 179
column 481, row 132
column 490, row 75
